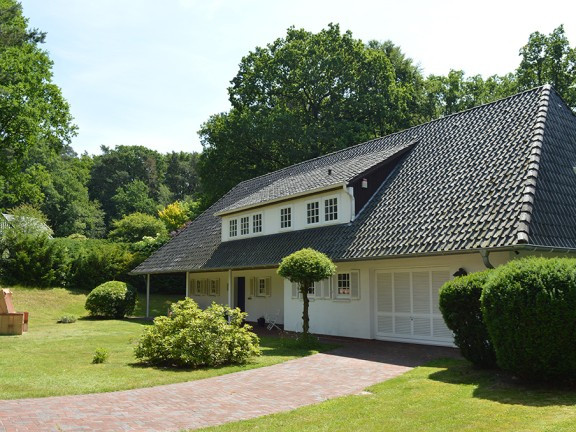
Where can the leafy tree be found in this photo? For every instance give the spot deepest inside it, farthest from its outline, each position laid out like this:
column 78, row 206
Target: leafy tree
column 133, row 198
column 33, row 113
column 305, row 267
column 456, row 92
column 549, row 59
column 303, row 96
column 174, row 215
column 181, row 175
column 135, row 226
column 137, row 170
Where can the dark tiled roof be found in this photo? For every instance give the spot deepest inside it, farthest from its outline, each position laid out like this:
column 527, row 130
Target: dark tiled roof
column 344, row 165
column 498, row 175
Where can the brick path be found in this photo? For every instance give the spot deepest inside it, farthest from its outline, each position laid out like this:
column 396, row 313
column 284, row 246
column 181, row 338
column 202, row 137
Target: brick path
column 217, row 400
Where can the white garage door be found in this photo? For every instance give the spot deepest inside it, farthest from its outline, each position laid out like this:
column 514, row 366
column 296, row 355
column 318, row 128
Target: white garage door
column 407, row 306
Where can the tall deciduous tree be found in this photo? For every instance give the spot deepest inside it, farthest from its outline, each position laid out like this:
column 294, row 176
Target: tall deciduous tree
column 131, row 171
column 303, row 96
column 33, row 112
column 549, row 59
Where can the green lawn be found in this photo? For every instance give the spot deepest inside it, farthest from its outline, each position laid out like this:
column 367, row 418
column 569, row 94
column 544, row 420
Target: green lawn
column 56, row 359
column 445, row 396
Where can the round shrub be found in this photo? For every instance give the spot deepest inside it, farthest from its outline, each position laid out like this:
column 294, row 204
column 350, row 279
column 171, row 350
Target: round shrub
column 529, row 308
column 460, row 307
column 112, row 299
column 191, row 337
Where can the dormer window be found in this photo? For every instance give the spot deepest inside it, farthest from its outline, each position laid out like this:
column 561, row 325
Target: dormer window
column 257, row 223
column 244, row 225
column 331, row 209
column 233, row 228
column 313, row 212
column 286, row 217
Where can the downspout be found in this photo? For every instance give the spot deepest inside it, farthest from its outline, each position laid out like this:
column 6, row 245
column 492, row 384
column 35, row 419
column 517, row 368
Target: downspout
column 350, row 191
column 486, row 259
column 229, row 291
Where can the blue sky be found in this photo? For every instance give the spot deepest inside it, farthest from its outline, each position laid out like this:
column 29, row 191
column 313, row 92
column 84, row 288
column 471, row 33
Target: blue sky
column 151, row 72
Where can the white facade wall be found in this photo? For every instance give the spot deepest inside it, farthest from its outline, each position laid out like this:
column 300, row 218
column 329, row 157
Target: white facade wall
column 340, row 317
column 256, row 306
column 356, row 318
column 271, row 214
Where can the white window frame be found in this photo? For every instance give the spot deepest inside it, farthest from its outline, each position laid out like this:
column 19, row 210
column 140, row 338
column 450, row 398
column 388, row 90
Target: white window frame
column 334, row 206
column 260, row 224
column 353, row 291
column 316, row 216
column 233, row 228
column 214, row 287
column 244, row 225
column 199, row 286
column 290, row 220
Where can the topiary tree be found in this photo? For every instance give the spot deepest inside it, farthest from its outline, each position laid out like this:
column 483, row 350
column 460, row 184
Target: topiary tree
column 305, row 267
column 460, row 306
column 529, row 308
column 113, row 299
column 192, row 337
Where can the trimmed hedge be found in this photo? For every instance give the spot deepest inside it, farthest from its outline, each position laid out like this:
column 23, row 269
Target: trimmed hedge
column 191, row 337
column 461, row 309
column 112, row 299
column 529, row 308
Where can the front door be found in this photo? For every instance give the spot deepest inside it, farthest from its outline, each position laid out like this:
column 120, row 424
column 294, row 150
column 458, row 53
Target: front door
column 240, row 293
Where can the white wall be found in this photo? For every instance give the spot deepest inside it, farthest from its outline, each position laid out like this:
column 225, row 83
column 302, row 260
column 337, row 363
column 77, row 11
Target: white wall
column 356, row 318
column 271, row 214
column 255, row 306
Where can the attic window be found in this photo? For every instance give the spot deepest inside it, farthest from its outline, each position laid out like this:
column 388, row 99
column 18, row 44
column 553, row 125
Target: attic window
column 233, row 228
column 330, row 209
column 244, row 225
column 286, row 217
column 313, row 212
column 257, row 223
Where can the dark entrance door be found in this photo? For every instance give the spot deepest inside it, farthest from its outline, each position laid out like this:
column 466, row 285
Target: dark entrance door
column 241, row 293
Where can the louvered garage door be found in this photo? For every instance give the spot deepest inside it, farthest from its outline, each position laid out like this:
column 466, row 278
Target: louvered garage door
column 407, row 306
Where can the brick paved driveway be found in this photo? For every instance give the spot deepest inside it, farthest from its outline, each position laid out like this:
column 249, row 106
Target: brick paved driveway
column 242, row 395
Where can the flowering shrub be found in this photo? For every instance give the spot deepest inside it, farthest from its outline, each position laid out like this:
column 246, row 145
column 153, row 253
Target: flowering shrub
column 192, row 337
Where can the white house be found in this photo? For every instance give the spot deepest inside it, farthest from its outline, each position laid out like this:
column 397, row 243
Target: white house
column 399, row 215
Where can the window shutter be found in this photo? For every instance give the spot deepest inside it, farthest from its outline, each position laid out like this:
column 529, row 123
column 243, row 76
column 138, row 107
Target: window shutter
column 354, row 284
column 217, row 287
column 252, row 286
column 327, row 288
column 191, row 287
column 318, row 289
column 268, row 286
column 295, row 290
column 205, row 285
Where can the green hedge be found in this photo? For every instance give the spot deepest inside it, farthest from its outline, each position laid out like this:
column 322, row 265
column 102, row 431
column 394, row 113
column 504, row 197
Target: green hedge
column 33, row 260
column 113, row 299
column 529, row 308
column 461, row 309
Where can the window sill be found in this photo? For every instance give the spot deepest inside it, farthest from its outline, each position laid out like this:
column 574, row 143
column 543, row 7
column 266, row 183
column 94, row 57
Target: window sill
column 341, row 300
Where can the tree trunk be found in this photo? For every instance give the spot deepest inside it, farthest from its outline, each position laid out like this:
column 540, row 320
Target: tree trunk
column 305, row 316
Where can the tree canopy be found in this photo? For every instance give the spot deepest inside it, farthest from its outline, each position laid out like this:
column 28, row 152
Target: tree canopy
column 549, row 59
column 305, row 95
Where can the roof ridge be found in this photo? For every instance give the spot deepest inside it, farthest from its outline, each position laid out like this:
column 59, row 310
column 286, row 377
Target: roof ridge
column 529, row 190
